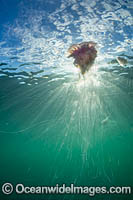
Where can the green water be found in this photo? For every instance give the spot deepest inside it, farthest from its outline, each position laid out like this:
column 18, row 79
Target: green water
column 58, row 132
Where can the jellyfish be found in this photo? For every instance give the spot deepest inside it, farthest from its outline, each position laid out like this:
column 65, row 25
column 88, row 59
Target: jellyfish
column 121, row 61
column 84, row 55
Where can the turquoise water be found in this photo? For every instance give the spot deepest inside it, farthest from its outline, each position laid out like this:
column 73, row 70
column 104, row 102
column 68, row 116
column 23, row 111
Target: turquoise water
column 57, row 128
column 67, row 131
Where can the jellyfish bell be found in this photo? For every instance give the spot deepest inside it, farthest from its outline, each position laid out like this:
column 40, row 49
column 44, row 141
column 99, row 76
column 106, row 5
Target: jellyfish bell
column 84, row 55
column 122, row 61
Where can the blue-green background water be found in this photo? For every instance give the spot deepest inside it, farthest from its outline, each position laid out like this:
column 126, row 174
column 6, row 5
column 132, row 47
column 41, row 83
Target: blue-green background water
column 55, row 128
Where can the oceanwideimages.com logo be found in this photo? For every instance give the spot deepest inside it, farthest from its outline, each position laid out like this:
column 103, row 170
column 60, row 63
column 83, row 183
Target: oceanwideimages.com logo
column 7, row 188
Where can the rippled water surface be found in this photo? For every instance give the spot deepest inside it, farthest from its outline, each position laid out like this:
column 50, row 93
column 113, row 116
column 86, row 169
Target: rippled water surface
column 54, row 127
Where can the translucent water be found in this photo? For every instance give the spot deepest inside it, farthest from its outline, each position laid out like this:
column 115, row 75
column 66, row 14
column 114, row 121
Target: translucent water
column 54, row 127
